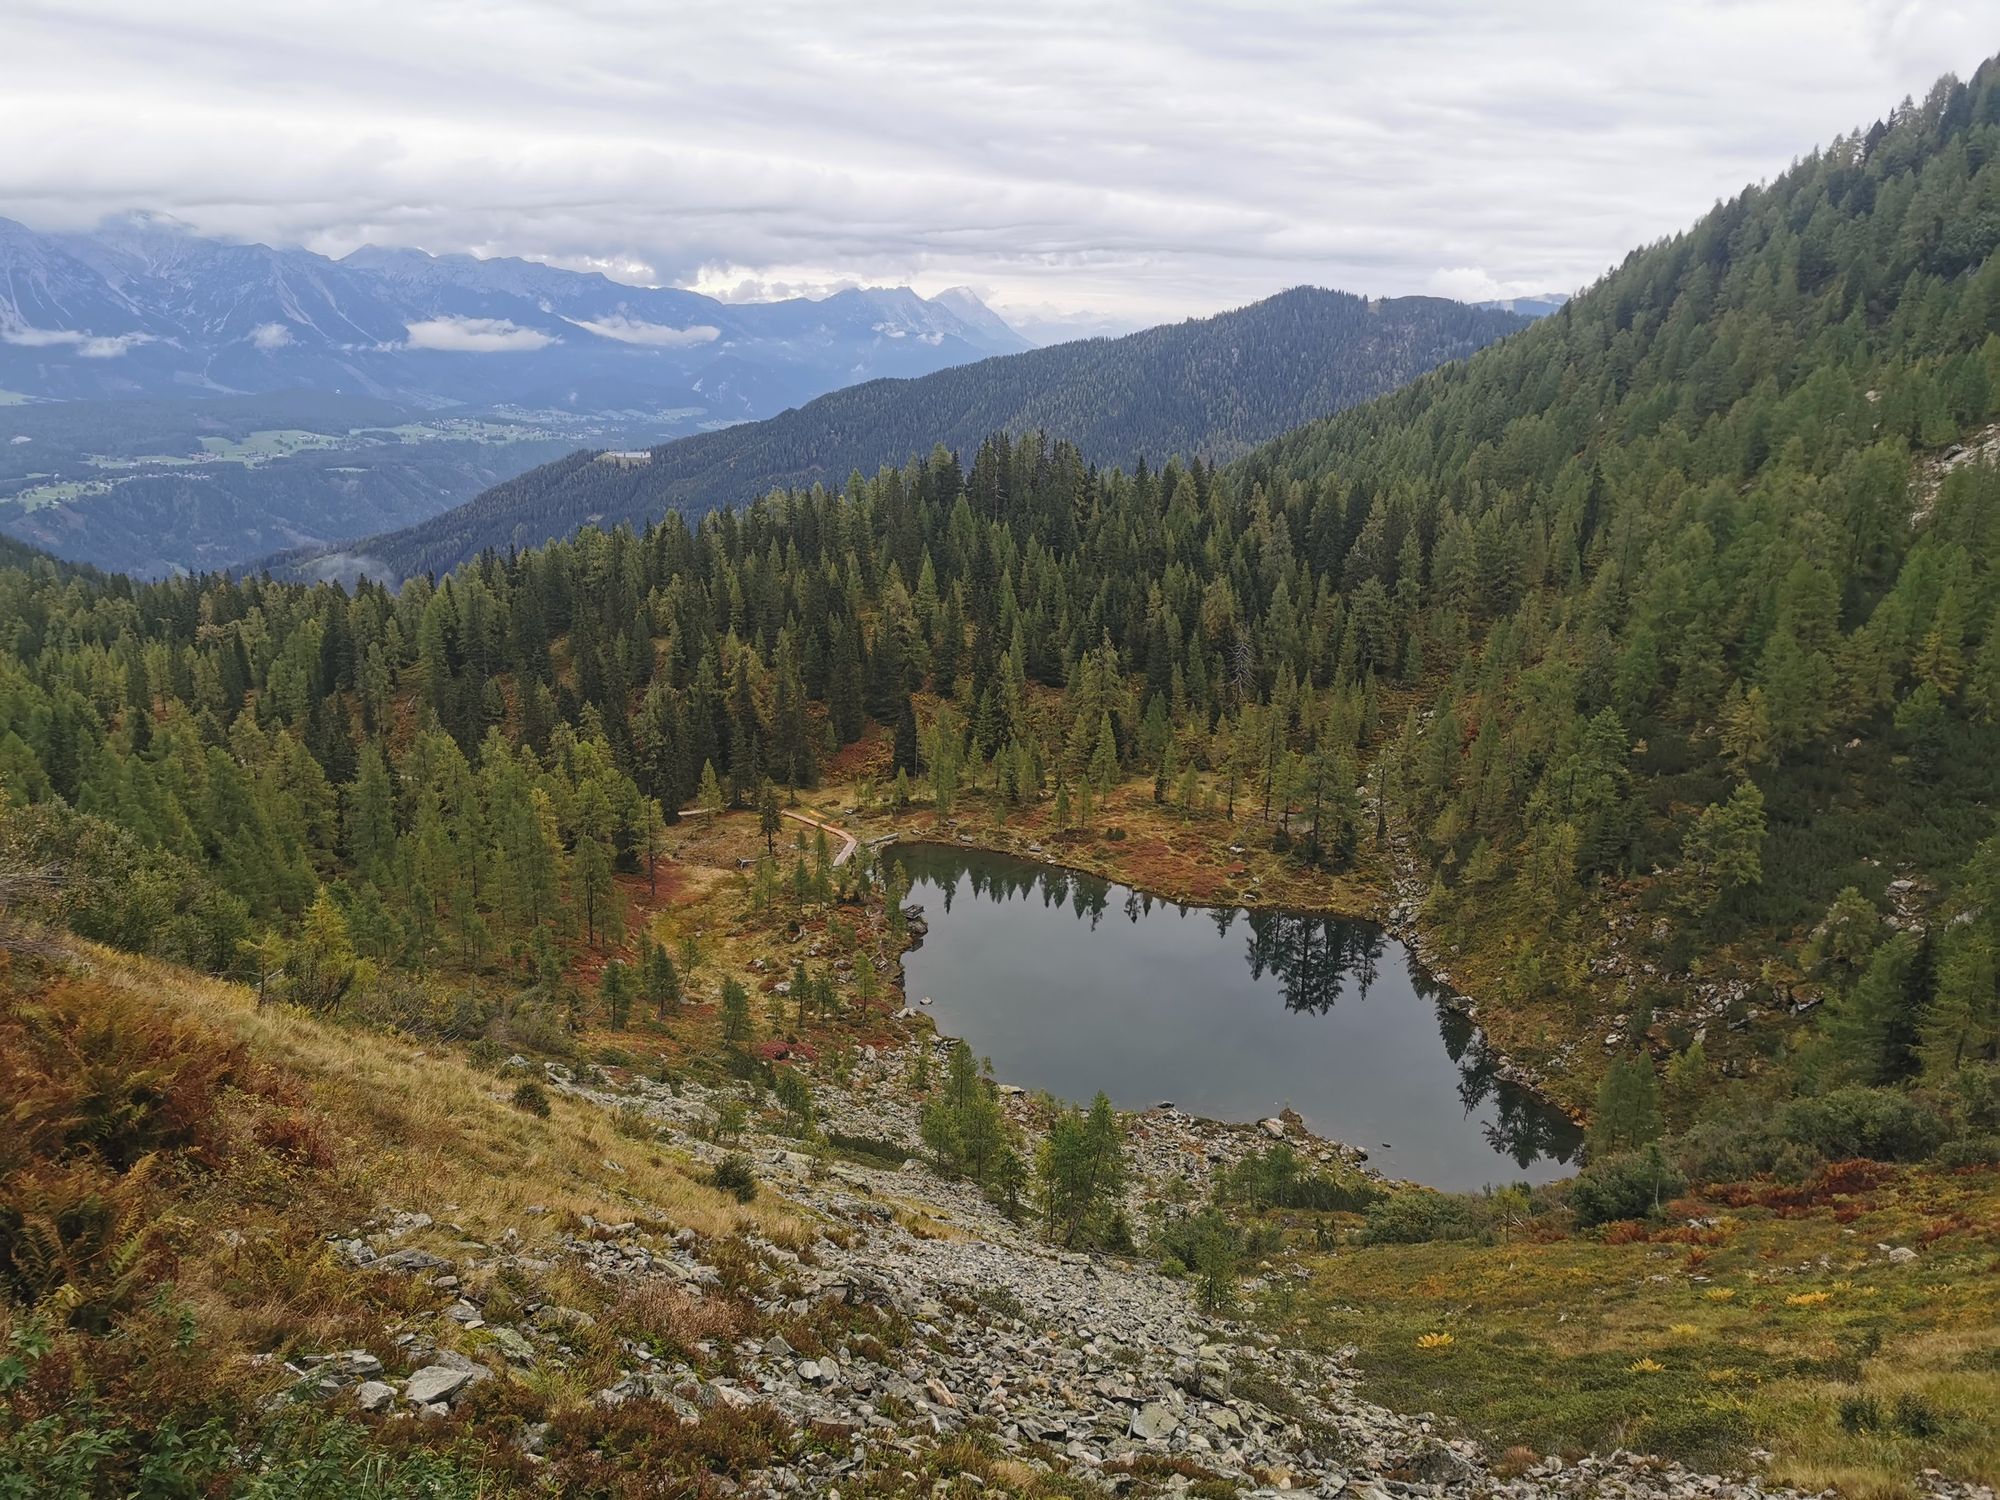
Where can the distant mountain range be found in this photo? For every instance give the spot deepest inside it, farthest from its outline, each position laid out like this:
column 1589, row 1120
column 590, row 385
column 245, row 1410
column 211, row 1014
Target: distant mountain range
column 1528, row 307
column 144, row 307
column 1212, row 387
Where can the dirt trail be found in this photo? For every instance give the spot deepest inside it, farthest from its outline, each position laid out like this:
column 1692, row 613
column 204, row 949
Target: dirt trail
column 847, row 841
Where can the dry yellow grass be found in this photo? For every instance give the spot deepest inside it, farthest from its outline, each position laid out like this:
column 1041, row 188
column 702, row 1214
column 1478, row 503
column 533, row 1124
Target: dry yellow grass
column 434, row 1132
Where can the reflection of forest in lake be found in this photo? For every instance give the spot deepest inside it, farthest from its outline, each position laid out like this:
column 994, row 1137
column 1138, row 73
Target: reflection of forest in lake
column 1174, row 1001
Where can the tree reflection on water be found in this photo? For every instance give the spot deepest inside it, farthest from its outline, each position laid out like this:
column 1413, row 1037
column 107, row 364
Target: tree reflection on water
column 1317, row 961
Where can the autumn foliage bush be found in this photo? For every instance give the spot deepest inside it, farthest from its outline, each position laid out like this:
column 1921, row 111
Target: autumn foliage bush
column 102, row 1096
column 123, row 1120
column 672, row 1319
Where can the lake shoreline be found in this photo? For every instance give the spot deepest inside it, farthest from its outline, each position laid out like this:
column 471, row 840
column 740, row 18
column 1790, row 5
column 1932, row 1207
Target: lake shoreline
column 1396, row 923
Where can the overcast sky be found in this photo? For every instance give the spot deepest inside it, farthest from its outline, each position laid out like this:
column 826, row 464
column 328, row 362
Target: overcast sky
column 1104, row 163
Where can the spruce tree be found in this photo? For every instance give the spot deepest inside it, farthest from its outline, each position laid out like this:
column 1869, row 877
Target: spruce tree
column 769, row 818
column 905, row 756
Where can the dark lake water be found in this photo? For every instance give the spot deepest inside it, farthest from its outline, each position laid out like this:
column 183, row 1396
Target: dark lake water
column 1073, row 984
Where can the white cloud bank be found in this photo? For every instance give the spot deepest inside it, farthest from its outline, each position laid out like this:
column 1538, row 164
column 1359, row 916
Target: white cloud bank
column 90, row 346
column 269, row 336
column 476, row 336
column 626, row 330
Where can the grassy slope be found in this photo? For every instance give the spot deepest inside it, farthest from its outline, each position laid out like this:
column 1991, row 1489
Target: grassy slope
column 1754, row 1329
column 269, row 1132
column 421, row 1124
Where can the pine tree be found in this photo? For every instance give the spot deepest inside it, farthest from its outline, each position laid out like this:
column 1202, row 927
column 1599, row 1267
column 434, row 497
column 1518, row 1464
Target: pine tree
column 1745, row 729
column 1940, row 656
column 1155, row 733
column 1847, row 935
column 791, row 729
column 591, row 866
column 843, row 697
column 1723, row 851
column 1082, row 1172
column 905, row 756
column 266, row 956
column 1104, row 757
column 370, row 821
column 1962, row 1024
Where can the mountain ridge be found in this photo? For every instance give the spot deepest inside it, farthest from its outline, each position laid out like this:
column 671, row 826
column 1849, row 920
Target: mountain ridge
column 144, row 306
column 1319, row 351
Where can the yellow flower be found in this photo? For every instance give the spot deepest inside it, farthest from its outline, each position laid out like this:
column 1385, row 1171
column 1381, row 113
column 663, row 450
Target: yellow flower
column 1721, row 1294
column 1809, row 1299
column 1645, row 1367
column 1434, row 1341
column 1683, row 1330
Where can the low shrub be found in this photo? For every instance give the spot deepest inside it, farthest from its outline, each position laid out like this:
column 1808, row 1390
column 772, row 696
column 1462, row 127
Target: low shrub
column 1731, row 1145
column 1916, row 1417
column 533, row 1098
column 423, row 1006
column 1416, row 1216
column 634, row 1123
column 871, row 1149
column 672, row 1319
column 1974, row 1151
column 1211, row 1246
column 1881, row 1124
column 536, row 1028
column 734, row 1174
column 1630, row 1186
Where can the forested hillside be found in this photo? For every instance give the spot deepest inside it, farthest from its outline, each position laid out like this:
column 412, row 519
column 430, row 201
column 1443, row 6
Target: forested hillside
column 1707, row 620
column 1209, row 387
column 1666, row 631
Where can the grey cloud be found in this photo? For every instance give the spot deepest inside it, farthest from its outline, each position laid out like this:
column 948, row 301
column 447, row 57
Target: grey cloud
column 1134, row 162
